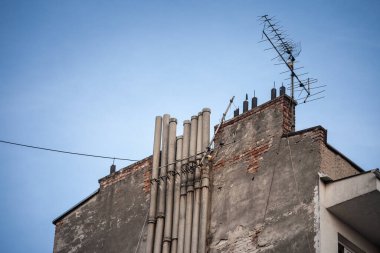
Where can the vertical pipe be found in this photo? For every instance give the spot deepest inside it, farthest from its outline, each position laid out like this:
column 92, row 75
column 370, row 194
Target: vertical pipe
column 197, row 188
column 162, row 189
column 205, row 183
column 154, row 184
column 170, row 186
column 177, row 195
column 182, row 204
column 190, row 184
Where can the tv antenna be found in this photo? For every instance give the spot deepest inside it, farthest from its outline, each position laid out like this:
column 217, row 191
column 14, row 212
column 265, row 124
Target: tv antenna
column 287, row 51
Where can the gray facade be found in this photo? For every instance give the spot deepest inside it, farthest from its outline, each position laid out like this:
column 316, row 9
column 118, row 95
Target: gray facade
column 264, row 191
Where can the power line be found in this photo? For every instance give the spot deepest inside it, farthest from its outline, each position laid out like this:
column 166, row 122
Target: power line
column 68, row 152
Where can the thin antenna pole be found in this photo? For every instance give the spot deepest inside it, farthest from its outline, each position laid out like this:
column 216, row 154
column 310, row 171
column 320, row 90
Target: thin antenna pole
column 291, row 63
column 217, row 130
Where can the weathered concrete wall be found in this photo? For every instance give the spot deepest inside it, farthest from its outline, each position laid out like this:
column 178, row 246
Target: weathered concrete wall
column 263, row 192
column 334, row 165
column 110, row 221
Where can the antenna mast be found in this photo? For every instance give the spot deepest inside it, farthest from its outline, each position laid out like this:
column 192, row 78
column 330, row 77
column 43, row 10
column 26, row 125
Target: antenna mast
column 286, row 51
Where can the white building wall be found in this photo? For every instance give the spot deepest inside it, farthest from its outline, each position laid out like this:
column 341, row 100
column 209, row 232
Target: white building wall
column 330, row 226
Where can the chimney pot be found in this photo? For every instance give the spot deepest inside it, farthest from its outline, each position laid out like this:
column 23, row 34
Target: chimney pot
column 254, row 102
column 245, row 105
column 112, row 169
column 273, row 93
column 236, row 112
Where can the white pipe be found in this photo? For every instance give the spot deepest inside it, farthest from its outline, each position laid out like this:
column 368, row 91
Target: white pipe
column 153, row 186
column 202, row 244
column 197, row 189
column 162, row 186
column 177, row 195
column 182, row 207
column 190, row 184
column 170, row 187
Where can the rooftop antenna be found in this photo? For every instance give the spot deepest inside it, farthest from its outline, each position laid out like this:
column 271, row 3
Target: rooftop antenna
column 287, row 51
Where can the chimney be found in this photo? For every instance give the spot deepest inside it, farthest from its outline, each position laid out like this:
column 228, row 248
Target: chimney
column 282, row 90
column 245, row 104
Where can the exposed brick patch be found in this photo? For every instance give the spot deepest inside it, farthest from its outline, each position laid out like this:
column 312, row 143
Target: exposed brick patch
column 288, row 108
column 335, row 165
column 319, row 136
column 284, row 102
column 256, row 154
column 253, row 155
column 317, row 133
column 123, row 173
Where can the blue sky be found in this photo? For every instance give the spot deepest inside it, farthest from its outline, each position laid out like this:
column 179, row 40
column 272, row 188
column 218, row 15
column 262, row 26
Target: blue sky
column 90, row 76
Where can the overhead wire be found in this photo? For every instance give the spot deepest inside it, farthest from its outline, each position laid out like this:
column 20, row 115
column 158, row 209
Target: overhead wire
column 68, row 152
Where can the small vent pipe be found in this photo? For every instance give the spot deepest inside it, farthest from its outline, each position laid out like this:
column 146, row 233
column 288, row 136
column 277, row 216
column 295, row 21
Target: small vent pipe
column 112, row 169
column 245, row 104
column 236, row 112
column 273, row 93
column 254, row 100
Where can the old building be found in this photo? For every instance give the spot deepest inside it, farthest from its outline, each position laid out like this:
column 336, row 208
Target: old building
column 263, row 187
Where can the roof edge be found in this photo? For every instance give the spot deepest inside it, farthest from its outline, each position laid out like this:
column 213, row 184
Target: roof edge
column 59, row 218
column 257, row 109
column 310, row 129
column 357, row 167
column 374, row 171
column 337, row 152
column 125, row 168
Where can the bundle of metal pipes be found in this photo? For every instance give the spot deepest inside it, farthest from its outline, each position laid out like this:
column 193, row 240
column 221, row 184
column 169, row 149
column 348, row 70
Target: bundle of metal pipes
column 179, row 193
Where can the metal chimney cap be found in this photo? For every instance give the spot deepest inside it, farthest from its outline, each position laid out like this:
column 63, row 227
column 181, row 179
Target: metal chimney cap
column 200, row 114
column 179, row 137
column 173, row 120
column 194, row 117
column 206, row 110
column 186, row 122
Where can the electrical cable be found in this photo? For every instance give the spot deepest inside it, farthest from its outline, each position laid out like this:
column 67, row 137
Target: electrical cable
column 68, row 152
column 297, row 188
column 141, row 233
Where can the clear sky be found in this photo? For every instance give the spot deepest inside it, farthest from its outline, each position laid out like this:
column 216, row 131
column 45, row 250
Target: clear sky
column 90, row 76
